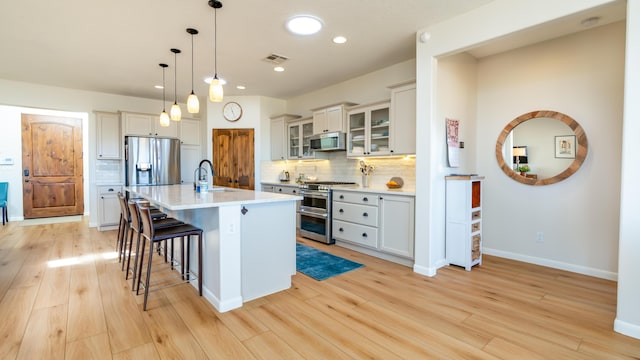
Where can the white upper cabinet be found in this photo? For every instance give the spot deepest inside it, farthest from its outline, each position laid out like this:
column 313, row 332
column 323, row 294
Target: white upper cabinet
column 147, row 125
column 189, row 132
column 330, row 118
column 299, row 145
column 403, row 118
column 108, row 135
column 368, row 131
column 278, row 135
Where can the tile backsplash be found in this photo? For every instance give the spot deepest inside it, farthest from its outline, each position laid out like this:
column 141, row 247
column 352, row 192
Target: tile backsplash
column 108, row 171
column 339, row 168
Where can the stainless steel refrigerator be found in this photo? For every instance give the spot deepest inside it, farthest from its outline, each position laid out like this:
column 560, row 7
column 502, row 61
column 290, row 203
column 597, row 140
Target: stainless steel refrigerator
column 151, row 160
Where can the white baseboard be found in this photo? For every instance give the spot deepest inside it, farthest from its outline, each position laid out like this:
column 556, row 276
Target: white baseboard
column 553, row 264
column 626, row 328
column 426, row 271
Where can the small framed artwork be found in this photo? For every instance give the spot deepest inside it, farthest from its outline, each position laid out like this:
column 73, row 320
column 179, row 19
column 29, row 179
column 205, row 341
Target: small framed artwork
column 566, row 147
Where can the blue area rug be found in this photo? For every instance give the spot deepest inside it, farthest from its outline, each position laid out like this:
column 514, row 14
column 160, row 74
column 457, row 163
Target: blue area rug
column 321, row 265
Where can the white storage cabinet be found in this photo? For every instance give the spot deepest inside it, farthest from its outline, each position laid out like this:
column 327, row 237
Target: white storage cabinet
column 464, row 220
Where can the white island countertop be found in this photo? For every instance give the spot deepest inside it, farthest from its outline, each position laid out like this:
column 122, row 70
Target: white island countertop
column 183, row 197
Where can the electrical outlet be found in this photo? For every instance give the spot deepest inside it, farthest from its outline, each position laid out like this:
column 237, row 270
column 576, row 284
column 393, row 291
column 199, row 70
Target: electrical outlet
column 539, row 236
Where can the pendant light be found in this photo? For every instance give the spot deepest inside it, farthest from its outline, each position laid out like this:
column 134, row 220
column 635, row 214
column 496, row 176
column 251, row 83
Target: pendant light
column 176, row 112
column 193, row 104
column 215, row 89
column 164, row 117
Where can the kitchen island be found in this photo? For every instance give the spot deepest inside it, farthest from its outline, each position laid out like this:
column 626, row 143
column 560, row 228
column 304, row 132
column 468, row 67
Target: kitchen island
column 249, row 238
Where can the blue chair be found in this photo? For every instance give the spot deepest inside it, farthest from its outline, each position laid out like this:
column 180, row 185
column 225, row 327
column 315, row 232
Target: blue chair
column 4, row 189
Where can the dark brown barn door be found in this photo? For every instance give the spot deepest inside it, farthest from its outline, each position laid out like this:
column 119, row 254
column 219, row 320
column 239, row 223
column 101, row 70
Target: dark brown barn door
column 51, row 166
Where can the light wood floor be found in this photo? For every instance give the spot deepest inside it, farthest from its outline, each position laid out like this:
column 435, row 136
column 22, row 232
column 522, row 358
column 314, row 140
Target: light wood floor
column 84, row 309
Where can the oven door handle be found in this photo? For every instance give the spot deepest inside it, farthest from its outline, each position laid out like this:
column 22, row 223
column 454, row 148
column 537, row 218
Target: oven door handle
column 313, row 195
column 313, row 214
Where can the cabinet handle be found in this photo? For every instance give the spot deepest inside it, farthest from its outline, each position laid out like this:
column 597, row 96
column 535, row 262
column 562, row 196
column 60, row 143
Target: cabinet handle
column 341, row 229
column 365, row 214
column 364, row 235
column 280, row 190
column 102, row 197
column 340, row 211
column 110, row 189
column 341, row 196
column 381, row 198
column 100, row 155
column 294, row 191
column 365, row 199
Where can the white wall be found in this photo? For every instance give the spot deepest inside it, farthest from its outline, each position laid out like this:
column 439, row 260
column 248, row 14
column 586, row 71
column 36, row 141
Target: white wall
column 256, row 113
column 456, row 87
column 628, row 314
column 481, row 25
column 580, row 75
column 41, row 98
column 362, row 90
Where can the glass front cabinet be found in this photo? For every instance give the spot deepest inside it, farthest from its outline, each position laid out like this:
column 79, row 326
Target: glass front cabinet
column 368, row 130
column 299, row 133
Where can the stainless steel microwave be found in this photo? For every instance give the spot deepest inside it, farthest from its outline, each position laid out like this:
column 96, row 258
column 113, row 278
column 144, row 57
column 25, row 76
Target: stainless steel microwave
column 333, row 141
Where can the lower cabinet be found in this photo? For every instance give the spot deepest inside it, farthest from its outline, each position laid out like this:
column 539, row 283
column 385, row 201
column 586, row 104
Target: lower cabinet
column 397, row 225
column 108, row 207
column 378, row 222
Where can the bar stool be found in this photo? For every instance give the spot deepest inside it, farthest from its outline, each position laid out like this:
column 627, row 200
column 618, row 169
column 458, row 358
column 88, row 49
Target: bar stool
column 125, row 226
column 135, row 228
column 149, row 232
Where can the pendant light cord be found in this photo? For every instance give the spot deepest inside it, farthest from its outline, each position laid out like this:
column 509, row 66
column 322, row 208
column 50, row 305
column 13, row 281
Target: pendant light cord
column 215, row 39
column 175, row 77
column 192, row 63
column 163, row 91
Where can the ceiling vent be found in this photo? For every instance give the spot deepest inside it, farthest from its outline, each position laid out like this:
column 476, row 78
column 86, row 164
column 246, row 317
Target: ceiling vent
column 275, row 59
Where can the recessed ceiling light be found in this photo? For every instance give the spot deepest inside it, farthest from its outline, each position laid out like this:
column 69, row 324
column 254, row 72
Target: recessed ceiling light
column 304, row 25
column 278, row 69
column 240, row 87
column 339, row 39
column 588, row 22
column 209, row 78
column 159, row 87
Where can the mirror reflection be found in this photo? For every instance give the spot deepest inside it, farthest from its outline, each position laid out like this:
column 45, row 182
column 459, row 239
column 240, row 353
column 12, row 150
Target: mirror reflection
column 541, row 147
column 533, row 145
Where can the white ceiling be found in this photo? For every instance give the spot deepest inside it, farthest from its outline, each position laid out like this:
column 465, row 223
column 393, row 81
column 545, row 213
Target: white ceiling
column 115, row 46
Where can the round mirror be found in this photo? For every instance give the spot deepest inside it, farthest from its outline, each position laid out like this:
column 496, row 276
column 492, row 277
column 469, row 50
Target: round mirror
column 541, row 148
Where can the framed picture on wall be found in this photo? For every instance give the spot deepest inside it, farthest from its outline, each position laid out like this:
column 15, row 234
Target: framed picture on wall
column 566, row 147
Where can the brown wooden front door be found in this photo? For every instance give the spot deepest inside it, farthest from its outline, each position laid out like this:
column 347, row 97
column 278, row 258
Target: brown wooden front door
column 52, row 166
column 233, row 157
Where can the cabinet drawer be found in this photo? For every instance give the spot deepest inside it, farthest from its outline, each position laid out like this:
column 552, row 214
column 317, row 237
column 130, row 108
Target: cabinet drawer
column 289, row 190
column 475, row 227
column 361, row 214
column 358, row 234
column 106, row 190
column 356, row 198
column 476, row 215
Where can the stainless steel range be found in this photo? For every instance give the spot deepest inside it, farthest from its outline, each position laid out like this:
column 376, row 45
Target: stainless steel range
column 315, row 209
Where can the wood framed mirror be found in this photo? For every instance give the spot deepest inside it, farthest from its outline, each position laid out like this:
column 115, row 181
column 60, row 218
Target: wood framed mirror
column 557, row 149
